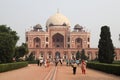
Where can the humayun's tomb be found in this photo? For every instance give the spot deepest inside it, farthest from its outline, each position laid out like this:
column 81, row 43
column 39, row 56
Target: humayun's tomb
column 59, row 41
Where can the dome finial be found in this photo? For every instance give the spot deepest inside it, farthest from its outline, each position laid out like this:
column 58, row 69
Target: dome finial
column 57, row 10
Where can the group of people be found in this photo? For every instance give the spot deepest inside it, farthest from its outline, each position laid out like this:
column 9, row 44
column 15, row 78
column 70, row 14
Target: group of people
column 74, row 63
column 41, row 62
column 46, row 62
column 58, row 60
column 83, row 67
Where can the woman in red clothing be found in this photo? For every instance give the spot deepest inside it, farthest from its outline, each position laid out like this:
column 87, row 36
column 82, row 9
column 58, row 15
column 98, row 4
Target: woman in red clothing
column 83, row 66
column 48, row 62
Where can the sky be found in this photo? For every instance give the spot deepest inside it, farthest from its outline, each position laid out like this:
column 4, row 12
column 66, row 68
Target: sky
column 20, row 15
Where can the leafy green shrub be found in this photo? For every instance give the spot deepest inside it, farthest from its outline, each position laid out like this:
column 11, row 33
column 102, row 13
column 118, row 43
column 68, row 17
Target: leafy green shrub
column 32, row 62
column 109, row 68
column 12, row 66
column 116, row 62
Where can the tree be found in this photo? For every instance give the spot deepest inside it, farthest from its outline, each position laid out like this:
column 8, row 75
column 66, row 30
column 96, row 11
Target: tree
column 8, row 40
column 78, row 56
column 21, row 51
column 31, row 57
column 83, row 56
column 106, row 48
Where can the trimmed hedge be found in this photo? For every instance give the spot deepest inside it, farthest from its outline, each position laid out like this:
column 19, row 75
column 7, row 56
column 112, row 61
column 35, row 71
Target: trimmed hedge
column 32, row 62
column 116, row 62
column 12, row 66
column 109, row 68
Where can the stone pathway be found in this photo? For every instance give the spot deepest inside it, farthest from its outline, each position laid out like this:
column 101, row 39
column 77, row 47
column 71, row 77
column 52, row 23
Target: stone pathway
column 65, row 73
column 34, row 72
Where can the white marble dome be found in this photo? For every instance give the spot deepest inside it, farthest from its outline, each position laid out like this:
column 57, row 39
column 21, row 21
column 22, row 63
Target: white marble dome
column 57, row 20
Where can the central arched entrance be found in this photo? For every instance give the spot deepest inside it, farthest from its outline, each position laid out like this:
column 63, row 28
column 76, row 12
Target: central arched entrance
column 57, row 54
column 58, row 40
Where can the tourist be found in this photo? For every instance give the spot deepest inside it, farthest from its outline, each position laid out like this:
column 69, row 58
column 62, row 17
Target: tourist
column 56, row 62
column 45, row 63
column 77, row 62
column 83, row 67
column 60, row 60
column 74, row 66
column 38, row 62
column 67, row 62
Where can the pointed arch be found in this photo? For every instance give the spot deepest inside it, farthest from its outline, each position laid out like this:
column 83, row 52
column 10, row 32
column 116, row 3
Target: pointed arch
column 78, row 43
column 58, row 40
column 57, row 55
column 37, row 42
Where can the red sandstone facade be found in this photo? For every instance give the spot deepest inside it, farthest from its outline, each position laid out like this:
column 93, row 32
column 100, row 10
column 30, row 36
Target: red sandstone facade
column 59, row 41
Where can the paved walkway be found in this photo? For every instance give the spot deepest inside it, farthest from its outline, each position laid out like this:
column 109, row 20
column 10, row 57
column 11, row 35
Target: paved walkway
column 34, row 72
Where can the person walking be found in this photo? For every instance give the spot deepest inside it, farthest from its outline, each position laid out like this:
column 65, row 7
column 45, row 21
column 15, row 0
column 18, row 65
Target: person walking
column 56, row 62
column 48, row 62
column 60, row 60
column 38, row 62
column 67, row 62
column 83, row 67
column 45, row 63
column 74, row 66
